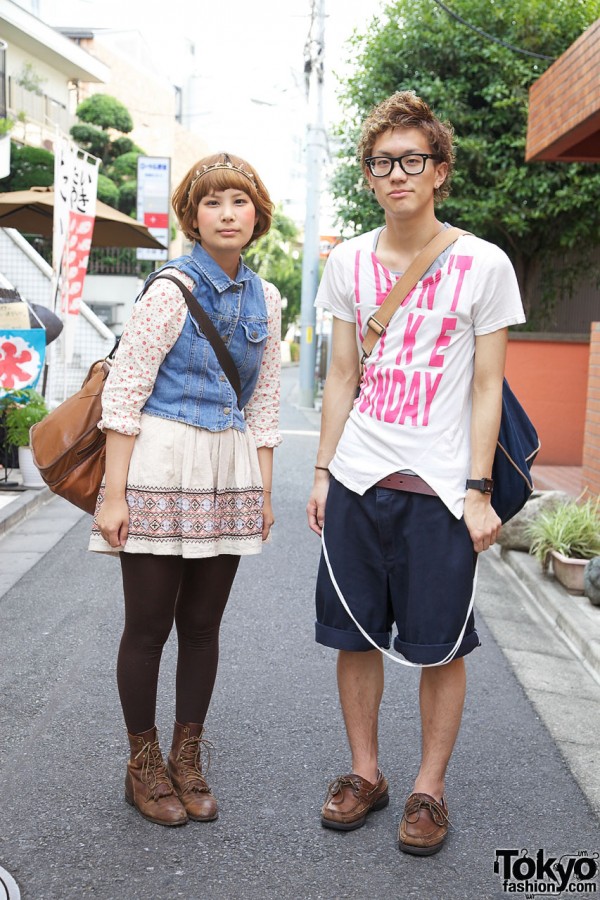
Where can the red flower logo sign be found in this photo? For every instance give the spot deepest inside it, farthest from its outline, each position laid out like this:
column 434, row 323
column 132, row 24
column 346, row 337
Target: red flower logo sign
column 20, row 363
column 75, row 260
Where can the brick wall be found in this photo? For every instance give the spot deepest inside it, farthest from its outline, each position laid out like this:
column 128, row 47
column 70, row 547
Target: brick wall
column 591, row 440
column 564, row 104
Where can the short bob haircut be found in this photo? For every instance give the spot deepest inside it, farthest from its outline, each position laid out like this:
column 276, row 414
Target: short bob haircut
column 405, row 109
column 195, row 185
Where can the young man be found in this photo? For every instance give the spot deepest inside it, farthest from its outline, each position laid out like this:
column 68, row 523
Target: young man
column 429, row 407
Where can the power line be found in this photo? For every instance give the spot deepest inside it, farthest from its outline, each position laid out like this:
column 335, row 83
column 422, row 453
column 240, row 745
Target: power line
column 491, row 37
column 313, row 50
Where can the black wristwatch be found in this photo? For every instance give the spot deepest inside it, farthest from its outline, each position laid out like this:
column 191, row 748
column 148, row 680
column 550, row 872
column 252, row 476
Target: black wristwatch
column 485, row 485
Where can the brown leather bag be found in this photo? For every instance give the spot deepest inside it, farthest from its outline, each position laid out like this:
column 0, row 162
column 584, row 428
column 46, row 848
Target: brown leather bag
column 67, row 446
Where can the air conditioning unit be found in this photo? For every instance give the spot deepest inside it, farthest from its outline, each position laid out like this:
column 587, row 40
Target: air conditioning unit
column 105, row 312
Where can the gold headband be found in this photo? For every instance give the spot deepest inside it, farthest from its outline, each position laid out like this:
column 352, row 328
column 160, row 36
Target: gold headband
column 221, row 165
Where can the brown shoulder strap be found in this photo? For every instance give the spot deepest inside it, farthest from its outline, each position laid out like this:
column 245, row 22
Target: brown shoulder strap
column 377, row 324
column 212, row 335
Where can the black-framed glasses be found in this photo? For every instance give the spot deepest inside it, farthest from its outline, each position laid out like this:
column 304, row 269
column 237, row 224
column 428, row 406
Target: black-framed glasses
column 410, row 163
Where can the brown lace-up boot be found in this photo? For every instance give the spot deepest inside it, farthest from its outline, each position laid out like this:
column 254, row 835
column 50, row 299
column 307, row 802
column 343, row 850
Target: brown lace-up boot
column 147, row 783
column 185, row 769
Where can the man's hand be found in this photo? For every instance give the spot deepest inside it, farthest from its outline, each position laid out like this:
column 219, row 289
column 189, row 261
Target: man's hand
column 315, row 508
column 481, row 519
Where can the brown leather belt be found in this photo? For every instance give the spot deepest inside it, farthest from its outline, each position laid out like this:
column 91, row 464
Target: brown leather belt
column 398, row 481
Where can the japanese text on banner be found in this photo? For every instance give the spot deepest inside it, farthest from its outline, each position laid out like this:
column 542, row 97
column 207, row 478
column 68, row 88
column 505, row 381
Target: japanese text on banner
column 80, row 227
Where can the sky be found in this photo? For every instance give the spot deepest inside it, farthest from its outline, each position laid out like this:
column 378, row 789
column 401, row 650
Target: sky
column 248, row 90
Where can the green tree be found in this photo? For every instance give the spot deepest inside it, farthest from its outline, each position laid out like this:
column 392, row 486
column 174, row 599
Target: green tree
column 538, row 212
column 6, row 126
column 30, row 79
column 102, row 131
column 91, row 139
column 108, row 192
column 29, row 167
column 127, row 197
column 105, row 112
column 276, row 258
column 123, row 168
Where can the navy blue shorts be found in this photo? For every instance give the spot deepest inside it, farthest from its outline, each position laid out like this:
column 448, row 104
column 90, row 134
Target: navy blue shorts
column 398, row 558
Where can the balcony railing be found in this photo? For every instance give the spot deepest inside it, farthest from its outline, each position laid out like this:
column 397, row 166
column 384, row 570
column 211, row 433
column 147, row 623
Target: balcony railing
column 117, row 261
column 102, row 260
column 38, row 117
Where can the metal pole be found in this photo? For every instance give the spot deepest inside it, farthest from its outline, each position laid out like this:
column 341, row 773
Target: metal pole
column 314, row 153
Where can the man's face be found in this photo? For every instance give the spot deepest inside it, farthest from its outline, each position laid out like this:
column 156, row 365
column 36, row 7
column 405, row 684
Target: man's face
column 401, row 194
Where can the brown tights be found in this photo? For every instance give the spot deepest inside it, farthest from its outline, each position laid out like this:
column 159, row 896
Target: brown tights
column 160, row 590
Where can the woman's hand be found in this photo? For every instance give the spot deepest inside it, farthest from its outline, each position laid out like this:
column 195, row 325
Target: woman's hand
column 113, row 516
column 315, row 508
column 268, row 517
column 113, row 521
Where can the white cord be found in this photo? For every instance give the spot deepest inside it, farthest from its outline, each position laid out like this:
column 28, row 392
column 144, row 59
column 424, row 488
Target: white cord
column 402, row 662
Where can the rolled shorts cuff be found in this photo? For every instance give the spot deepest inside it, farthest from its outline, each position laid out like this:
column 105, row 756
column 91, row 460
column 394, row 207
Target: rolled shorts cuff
column 339, row 639
column 426, row 654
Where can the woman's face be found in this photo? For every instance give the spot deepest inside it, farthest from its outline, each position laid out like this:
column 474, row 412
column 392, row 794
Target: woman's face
column 225, row 221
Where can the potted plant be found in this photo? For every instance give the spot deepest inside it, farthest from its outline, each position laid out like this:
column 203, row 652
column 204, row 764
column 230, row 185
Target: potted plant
column 567, row 534
column 22, row 409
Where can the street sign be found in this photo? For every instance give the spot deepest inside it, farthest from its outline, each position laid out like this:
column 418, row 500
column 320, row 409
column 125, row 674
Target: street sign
column 153, row 197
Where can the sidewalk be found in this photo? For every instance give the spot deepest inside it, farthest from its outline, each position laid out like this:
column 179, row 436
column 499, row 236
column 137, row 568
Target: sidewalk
column 575, row 618
column 31, row 523
column 559, row 478
column 44, row 519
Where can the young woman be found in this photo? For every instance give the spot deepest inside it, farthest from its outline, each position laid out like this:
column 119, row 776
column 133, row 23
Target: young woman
column 188, row 474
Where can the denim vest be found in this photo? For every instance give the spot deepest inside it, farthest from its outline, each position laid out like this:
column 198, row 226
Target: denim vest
column 190, row 386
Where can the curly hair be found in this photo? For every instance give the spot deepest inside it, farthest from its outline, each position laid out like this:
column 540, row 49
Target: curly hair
column 234, row 173
column 405, row 109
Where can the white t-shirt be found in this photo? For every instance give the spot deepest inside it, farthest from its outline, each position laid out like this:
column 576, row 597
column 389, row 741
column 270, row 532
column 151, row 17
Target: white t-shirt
column 414, row 407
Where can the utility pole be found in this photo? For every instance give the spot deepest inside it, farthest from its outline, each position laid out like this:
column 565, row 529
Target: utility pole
column 315, row 145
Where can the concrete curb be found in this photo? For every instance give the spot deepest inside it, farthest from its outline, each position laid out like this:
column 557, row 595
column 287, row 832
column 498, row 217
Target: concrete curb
column 575, row 618
column 23, row 504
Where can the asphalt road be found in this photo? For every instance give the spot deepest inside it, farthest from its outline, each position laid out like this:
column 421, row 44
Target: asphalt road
column 66, row 832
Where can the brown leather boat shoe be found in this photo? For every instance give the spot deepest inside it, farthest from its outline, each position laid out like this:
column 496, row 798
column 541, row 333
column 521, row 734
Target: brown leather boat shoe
column 350, row 799
column 424, row 825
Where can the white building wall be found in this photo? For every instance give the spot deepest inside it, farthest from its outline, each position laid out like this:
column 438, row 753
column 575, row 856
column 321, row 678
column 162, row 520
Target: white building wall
column 51, row 82
column 112, row 297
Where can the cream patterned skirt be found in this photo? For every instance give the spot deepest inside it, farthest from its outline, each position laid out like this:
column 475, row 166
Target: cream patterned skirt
column 191, row 492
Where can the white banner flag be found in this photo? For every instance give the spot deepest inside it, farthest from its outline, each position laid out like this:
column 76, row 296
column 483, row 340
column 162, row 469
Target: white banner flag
column 80, row 227
column 63, row 174
column 75, row 191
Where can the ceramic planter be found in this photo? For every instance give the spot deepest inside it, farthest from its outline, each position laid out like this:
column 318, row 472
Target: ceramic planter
column 29, row 473
column 569, row 571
